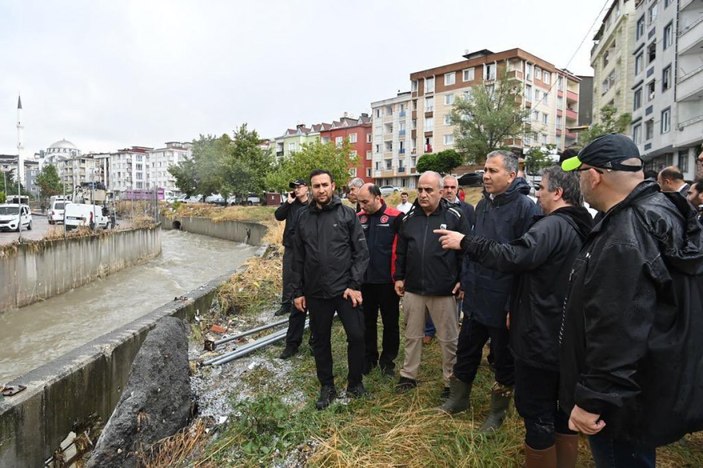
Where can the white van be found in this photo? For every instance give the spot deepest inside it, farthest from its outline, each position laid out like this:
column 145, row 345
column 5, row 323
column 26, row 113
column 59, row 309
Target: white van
column 56, row 208
column 82, row 214
column 10, row 217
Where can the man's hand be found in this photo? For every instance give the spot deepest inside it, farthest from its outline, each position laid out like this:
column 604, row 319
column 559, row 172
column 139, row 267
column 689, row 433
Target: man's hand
column 585, row 422
column 458, row 292
column 400, row 287
column 300, row 303
column 449, row 239
column 291, row 197
column 353, row 295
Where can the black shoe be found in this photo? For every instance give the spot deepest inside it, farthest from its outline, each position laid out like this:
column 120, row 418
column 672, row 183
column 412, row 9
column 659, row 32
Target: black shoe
column 404, row 384
column 368, row 367
column 357, row 391
column 444, row 396
column 327, row 395
column 387, row 371
column 283, row 310
column 289, row 352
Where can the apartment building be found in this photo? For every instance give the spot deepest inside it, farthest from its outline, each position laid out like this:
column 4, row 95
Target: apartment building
column 394, row 151
column 160, row 159
column 667, row 118
column 612, row 62
column 293, row 139
column 551, row 94
column 358, row 133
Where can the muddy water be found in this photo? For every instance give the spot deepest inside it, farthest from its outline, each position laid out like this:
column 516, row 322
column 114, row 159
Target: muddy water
column 36, row 334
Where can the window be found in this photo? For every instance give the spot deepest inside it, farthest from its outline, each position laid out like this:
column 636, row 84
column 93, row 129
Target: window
column 528, row 92
column 666, row 120
column 429, row 85
column 468, row 74
column 652, row 12
column 339, row 141
column 291, row 147
column 683, row 161
column 547, row 77
column 352, row 172
column 378, row 165
column 449, row 79
column 538, row 73
column 368, row 172
column 429, row 104
column 429, row 124
column 447, row 119
column 368, row 138
column 545, row 118
column 637, row 134
column 651, row 86
column 378, row 111
column 413, row 86
column 545, row 98
column 536, row 94
column 378, row 148
column 353, row 153
column 560, row 122
column 535, row 116
column 639, row 63
column 560, row 83
column 666, row 78
column 449, row 139
column 649, row 129
column 528, row 72
column 640, row 27
column 668, row 35
column 637, row 99
column 651, row 53
column 490, row 71
column 666, row 4
column 352, row 138
column 448, row 99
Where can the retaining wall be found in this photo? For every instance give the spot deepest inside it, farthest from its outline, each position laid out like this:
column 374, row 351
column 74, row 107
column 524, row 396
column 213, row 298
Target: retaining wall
column 64, row 394
column 238, row 231
column 37, row 270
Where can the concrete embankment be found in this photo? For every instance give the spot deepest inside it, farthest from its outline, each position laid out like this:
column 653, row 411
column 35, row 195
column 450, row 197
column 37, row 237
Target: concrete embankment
column 238, row 231
column 38, row 270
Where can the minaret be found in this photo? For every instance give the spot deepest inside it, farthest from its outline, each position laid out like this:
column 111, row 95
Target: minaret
column 20, row 145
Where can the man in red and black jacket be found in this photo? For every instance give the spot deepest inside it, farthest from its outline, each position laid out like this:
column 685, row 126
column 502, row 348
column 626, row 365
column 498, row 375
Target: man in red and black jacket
column 379, row 222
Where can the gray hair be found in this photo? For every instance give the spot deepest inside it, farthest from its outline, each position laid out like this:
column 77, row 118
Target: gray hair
column 450, row 177
column 509, row 159
column 568, row 182
column 435, row 174
column 356, row 182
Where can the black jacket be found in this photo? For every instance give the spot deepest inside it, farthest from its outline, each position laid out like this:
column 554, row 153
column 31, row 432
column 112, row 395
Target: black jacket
column 426, row 267
column 330, row 253
column 502, row 219
column 542, row 258
column 467, row 209
column 380, row 229
column 631, row 336
column 288, row 212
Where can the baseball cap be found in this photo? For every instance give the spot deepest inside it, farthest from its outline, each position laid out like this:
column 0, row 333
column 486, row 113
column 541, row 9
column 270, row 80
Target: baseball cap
column 606, row 152
column 297, row 183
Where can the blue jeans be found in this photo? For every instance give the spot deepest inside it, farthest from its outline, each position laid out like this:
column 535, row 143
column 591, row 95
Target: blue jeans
column 612, row 453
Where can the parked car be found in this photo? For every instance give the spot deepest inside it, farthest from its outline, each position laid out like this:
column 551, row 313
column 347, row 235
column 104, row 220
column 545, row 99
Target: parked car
column 387, row 190
column 10, row 217
column 252, row 199
column 215, row 198
column 472, row 179
column 84, row 214
column 56, row 207
column 193, row 199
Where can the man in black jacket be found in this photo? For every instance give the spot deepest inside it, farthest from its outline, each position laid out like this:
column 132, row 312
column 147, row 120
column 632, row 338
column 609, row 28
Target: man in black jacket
column 630, row 339
column 542, row 258
column 427, row 277
column 288, row 212
column 330, row 258
column 504, row 214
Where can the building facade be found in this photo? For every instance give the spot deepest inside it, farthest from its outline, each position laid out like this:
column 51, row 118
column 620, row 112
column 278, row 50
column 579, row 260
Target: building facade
column 358, row 133
column 394, row 151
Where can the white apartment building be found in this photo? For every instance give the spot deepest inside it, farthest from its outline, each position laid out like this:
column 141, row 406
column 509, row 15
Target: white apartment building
column 612, row 62
column 160, row 159
column 667, row 118
column 393, row 152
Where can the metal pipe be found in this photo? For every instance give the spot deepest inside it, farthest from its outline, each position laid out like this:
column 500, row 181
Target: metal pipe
column 211, row 345
column 252, row 347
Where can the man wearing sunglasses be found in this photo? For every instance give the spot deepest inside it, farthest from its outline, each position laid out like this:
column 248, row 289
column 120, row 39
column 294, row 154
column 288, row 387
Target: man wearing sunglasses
column 630, row 337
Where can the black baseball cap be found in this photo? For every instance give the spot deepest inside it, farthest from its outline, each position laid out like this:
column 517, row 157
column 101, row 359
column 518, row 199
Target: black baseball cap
column 606, row 152
column 297, row 183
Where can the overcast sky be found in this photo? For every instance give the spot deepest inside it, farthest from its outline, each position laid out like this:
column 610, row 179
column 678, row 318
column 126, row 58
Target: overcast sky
column 112, row 74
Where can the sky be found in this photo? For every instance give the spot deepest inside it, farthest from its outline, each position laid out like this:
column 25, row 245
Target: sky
column 112, row 74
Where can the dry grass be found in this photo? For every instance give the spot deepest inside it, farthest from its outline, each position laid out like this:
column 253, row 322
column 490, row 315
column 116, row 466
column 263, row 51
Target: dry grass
column 175, row 450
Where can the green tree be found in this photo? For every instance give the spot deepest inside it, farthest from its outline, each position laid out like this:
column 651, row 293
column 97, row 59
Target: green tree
column 537, row 159
column 442, row 162
column 490, row 115
column 48, row 182
column 246, row 165
column 185, row 175
column 315, row 155
column 609, row 122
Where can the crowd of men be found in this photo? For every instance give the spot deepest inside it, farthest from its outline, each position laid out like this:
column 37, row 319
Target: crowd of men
column 591, row 323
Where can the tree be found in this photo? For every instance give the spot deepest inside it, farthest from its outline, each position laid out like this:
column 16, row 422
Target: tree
column 48, row 182
column 442, row 162
column 537, row 159
column 246, row 165
column 490, row 115
column 609, row 122
column 312, row 156
column 186, row 179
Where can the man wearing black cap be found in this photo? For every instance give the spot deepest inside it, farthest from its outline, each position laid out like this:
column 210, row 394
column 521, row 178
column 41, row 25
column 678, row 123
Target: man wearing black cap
column 630, row 337
column 288, row 212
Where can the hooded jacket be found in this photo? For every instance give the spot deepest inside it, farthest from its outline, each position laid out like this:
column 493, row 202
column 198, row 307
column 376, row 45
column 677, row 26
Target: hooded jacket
column 421, row 262
column 631, row 346
column 380, row 229
column 504, row 218
column 542, row 259
column 330, row 253
column 289, row 212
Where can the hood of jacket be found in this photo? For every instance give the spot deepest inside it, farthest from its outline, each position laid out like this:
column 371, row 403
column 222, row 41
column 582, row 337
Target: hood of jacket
column 579, row 217
column 329, row 206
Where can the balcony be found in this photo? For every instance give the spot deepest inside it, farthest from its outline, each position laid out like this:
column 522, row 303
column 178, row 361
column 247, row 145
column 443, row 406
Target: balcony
column 571, row 135
column 560, row 112
column 691, row 36
column 571, row 114
column 572, row 96
column 690, row 131
column 687, row 88
column 558, row 131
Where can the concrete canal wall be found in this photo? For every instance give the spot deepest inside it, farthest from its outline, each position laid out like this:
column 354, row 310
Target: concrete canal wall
column 62, row 395
column 37, row 270
column 239, row 231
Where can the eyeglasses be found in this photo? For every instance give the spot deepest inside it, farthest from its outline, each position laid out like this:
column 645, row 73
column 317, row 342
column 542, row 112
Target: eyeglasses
column 599, row 171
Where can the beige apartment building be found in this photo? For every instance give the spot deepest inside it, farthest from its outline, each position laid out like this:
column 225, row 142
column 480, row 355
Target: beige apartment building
column 612, row 59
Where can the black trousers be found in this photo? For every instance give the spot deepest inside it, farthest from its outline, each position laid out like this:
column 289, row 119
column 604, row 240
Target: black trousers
column 383, row 297
column 536, row 400
column 472, row 338
column 296, row 328
column 321, row 315
column 287, row 293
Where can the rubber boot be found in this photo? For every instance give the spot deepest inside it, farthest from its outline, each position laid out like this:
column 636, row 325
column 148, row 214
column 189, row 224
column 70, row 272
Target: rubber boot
column 459, row 397
column 567, row 450
column 500, row 400
column 546, row 458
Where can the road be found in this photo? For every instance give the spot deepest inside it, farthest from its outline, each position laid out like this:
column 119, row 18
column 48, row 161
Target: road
column 40, row 227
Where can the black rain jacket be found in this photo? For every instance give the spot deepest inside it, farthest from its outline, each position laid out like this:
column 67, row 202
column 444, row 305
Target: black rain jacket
column 289, row 212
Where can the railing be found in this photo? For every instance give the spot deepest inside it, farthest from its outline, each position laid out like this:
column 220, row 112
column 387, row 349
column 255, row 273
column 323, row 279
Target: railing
column 688, row 122
column 688, row 75
column 691, row 26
